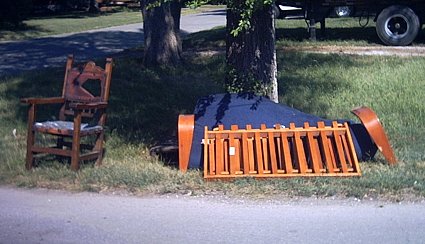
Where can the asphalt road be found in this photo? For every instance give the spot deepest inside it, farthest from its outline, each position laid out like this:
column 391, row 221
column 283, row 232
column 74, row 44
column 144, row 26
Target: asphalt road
column 48, row 216
column 52, row 51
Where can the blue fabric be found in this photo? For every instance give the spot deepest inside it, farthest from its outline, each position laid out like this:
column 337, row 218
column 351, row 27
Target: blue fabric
column 243, row 109
column 66, row 126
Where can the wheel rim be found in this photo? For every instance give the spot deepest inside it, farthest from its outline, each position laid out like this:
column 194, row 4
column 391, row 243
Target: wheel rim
column 397, row 26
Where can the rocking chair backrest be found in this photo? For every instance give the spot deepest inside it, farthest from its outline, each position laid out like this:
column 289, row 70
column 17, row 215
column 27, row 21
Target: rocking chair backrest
column 76, row 82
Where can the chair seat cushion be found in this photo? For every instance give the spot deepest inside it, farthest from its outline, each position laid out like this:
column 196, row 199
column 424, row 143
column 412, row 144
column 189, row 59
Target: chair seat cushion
column 65, row 128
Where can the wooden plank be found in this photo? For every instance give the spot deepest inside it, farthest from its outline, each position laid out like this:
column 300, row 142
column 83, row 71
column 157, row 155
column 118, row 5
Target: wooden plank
column 219, row 144
column 299, row 150
column 272, row 152
column 258, row 152
column 29, row 160
column 332, row 146
column 226, row 159
column 325, row 147
column 315, row 133
column 353, row 154
column 52, row 150
column 264, row 151
column 211, row 155
column 250, row 151
column 234, row 150
column 75, row 154
column 346, row 150
column 316, row 143
column 339, row 148
column 245, row 153
column 313, row 150
column 89, row 155
column 286, row 153
column 206, row 158
column 279, row 152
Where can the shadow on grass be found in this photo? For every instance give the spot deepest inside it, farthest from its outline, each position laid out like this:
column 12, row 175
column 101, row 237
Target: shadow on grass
column 361, row 35
column 19, row 30
column 356, row 35
column 52, row 51
column 79, row 14
column 304, row 85
column 21, row 26
column 144, row 103
column 6, row 26
column 214, row 38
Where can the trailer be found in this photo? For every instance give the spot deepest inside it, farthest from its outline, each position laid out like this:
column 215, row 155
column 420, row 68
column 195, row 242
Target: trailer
column 398, row 22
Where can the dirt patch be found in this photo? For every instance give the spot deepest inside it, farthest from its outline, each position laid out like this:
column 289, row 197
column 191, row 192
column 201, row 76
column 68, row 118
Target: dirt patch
column 410, row 51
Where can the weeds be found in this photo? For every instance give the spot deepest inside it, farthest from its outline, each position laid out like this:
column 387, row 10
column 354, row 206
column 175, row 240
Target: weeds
column 145, row 104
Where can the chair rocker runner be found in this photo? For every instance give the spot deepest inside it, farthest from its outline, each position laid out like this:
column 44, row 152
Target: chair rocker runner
column 79, row 105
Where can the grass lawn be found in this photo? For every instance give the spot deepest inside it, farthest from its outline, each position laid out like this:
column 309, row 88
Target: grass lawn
column 145, row 104
column 77, row 22
column 340, row 31
column 68, row 23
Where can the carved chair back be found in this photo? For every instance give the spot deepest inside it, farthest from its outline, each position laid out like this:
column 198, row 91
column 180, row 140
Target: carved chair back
column 86, row 84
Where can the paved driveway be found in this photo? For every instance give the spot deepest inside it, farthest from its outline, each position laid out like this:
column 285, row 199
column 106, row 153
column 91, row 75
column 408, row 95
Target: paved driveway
column 33, row 54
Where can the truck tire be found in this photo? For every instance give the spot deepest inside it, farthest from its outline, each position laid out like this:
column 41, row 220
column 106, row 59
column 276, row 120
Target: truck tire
column 397, row 25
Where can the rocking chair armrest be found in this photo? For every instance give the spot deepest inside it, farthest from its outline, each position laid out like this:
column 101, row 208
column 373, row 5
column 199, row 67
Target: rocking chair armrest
column 39, row 100
column 83, row 106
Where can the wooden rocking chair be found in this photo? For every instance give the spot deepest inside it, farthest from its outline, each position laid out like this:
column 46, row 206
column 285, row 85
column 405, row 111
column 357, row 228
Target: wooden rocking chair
column 78, row 104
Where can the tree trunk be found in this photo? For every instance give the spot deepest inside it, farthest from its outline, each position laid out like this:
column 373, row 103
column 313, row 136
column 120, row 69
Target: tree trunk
column 251, row 55
column 161, row 26
column 94, row 6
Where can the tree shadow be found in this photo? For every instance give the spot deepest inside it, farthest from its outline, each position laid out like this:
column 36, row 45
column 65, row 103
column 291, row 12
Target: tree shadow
column 206, row 39
column 76, row 14
column 298, row 89
column 20, row 31
column 364, row 35
column 221, row 12
column 144, row 103
column 52, row 51
column 20, row 26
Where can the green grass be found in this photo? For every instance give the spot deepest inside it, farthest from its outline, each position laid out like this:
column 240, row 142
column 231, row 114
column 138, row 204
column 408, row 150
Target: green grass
column 145, row 104
column 293, row 33
column 69, row 23
column 340, row 31
column 36, row 27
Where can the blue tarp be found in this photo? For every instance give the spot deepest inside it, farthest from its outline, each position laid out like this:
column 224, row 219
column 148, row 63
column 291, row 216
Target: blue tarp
column 242, row 109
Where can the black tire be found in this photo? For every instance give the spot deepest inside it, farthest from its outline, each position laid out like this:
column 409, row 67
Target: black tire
column 397, row 25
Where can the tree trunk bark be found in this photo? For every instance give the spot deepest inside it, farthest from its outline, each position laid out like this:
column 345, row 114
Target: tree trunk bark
column 251, row 55
column 94, row 6
column 161, row 26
